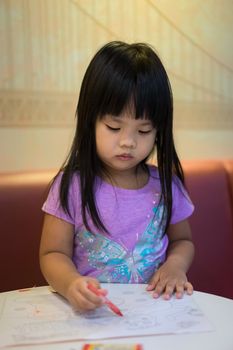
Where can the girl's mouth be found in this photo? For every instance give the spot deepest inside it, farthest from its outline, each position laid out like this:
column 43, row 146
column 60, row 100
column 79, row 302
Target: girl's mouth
column 124, row 156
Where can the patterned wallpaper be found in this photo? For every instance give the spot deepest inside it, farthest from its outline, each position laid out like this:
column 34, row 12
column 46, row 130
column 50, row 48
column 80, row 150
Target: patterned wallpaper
column 46, row 46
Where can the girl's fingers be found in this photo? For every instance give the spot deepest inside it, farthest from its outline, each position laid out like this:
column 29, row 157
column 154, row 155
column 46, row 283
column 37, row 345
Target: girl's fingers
column 81, row 303
column 93, row 298
column 103, row 292
column 82, row 298
column 179, row 290
column 167, row 289
column 94, row 289
column 170, row 287
column 158, row 289
column 150, row 287
column 188, row 287
column 152, row 283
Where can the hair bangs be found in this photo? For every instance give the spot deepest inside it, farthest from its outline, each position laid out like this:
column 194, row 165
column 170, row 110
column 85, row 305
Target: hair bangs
column 142, row 88
column 153, row 97
column 116, row 95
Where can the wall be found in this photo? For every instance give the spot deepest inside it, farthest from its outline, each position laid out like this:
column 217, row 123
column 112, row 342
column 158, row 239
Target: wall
column 47, row 44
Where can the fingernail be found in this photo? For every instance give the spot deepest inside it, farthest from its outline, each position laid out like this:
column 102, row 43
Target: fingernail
column 167, row 296
column 155, row 295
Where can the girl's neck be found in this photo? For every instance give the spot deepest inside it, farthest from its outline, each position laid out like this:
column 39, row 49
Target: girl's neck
column 132, row 179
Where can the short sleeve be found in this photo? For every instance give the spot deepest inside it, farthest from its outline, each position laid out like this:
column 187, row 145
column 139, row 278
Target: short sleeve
column 182, row 206
column 53, row 206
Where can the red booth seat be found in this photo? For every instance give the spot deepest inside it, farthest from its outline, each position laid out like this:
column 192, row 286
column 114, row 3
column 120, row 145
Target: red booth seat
column 210, row 184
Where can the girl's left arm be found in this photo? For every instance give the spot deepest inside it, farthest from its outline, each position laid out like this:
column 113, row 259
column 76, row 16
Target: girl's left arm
column 171, row 276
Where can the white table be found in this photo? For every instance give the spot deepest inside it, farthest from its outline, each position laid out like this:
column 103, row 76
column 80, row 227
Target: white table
column 218, row 310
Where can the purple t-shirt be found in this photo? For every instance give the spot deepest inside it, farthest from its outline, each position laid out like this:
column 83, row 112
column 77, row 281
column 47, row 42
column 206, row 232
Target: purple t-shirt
column 136, row 244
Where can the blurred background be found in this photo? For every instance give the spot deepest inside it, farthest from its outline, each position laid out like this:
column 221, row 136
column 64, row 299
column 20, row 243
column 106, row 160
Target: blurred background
column 46, row 46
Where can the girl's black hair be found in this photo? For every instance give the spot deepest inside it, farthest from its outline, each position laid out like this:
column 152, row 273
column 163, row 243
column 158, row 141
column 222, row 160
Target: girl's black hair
column 118, row 75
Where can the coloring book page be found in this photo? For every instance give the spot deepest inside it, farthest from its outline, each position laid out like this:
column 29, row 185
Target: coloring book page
column 38, row 315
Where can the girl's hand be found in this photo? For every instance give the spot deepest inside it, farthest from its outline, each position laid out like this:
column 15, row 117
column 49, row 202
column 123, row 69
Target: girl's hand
column 169, row 279
column 79, row 295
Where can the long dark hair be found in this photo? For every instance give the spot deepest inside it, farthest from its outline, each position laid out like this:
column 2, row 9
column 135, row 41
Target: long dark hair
column 118, row 74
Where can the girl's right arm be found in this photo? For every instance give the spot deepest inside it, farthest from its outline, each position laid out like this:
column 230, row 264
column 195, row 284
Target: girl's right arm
column 56, row 263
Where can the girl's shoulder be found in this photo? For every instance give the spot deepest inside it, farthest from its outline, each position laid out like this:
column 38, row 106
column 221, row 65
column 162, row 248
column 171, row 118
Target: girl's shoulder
column 154, row 173
column 53, row 204
column 73, row 182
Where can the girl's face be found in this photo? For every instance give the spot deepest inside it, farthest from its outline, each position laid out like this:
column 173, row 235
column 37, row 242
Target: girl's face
column 122, row 142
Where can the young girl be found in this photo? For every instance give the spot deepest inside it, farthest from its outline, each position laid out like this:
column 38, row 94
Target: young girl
column 111, row 217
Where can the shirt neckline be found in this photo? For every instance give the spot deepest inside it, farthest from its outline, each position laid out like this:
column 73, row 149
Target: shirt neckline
column 126, row 191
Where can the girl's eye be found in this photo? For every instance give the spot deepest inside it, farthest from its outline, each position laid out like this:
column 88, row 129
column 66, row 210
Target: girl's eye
column 111, row 128
column 144, row 132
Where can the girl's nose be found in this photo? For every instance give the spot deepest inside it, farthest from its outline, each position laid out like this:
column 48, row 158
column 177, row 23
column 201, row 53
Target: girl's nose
column 128, row 141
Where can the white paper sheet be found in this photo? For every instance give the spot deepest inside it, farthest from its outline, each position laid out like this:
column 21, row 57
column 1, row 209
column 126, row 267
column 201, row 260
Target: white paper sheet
column 40, row 316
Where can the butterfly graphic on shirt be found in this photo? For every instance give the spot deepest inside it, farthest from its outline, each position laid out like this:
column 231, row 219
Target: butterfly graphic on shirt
column 117, row 264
